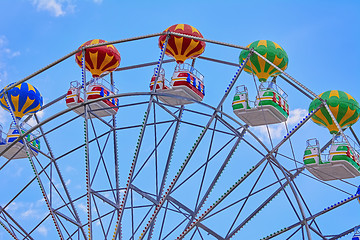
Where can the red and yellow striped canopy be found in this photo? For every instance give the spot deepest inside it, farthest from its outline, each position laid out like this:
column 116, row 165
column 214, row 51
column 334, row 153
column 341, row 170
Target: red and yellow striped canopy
column 182, row 48
column 99, row 59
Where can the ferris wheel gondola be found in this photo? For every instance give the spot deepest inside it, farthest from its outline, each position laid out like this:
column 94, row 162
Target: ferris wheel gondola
column 271, row 105
column 186, row 81
column 343, row 160
column 97, row 60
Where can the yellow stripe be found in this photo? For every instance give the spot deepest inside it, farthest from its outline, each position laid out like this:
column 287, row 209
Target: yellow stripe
column 180, row 26
column 262, row 43
column 179, row 79
column 262, row 66
column 95, row 41
column 237, row 102
column 194, row 29
column 265, row 98
column 278, row 46
column 95, row 92
column 338, row 153
column 334, row 93
column 349, row 96
column 311, row 156
column 106, row 61
column 178, row 44
column 334, row 110
column 348, row 114
column 15, row 101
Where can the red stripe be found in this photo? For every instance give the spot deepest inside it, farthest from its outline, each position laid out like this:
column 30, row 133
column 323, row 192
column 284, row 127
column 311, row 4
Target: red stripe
column 186, row 41
column 199, row 46
column 102, row 51
column 194, row 89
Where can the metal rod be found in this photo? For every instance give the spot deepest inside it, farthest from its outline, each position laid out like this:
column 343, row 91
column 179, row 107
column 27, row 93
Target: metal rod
column 202, row 134
column 29, row 155
column 244, row 177
column 349, row 199
column 60, row 176
column 340, row 129
column 287, row 75
column 142, row 131
column 87, row 159
column 297, row 200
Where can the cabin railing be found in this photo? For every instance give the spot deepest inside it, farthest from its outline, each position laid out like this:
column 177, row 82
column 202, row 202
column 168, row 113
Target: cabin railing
column 273, row 86
column 103, row 82
column 187, row 67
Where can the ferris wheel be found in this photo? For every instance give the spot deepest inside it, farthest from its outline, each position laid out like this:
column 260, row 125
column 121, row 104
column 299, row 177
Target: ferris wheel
column 174, row 162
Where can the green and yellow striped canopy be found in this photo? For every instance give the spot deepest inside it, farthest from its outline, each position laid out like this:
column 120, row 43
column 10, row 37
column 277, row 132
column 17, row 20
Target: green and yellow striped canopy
column 343, row 106
column 271, row 51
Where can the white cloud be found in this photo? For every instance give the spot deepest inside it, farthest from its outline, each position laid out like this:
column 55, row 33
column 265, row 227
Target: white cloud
column 82, row 207
column 278, row 131
column 56, row 7
column 3, row 41
column 70, row 169
column 5, row 53
column 42, row 230
column 10, row 53
column 4, row 118
column 29, row 213
column 296, row 116
column 32, row 122
column 12, row 207
column 3, row 75
column 18, row 172
column 98, row 1
column 68, row 182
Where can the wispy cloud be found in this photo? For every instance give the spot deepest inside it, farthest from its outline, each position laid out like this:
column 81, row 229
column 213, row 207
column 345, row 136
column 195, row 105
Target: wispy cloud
column 32, row 122
column 4, row 117
column 42, row 230
column 10, row 53
column 277, row 131
column 5, row 53
column 3, row 41
column 56, row 7
column 82, row 207
column 98, row 1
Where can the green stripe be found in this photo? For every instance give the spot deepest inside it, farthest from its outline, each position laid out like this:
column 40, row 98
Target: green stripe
column 309, row 161
column 271, row 53
column 320, row 120
column 353, row 117
column 271, row 103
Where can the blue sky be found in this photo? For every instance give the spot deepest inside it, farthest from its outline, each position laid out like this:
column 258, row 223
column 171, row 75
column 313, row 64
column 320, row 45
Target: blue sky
column 320, row 37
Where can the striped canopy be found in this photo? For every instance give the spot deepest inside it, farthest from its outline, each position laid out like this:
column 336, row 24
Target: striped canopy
column 99, row 60
column 343, row 106
column 258, row 66
column 182, row 48
column 24, row 99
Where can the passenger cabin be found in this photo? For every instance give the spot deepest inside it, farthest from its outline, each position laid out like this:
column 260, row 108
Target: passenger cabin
column 186, row 82
column 339, row 163
column 357, row 234
column 97, row 88
column 270, row 106
column 18, row 150
column 161, row 81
